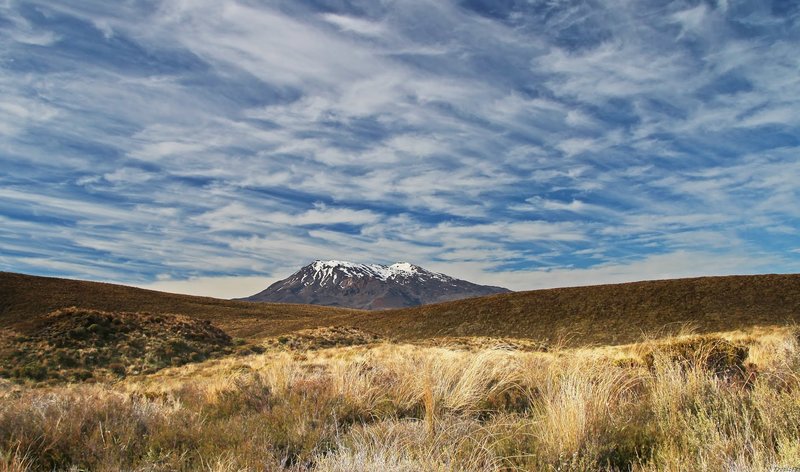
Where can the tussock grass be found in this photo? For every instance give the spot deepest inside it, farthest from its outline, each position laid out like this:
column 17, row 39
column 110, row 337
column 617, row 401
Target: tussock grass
column 676, row 404
column 323, row 338
column 404, row 445
column 476, row 343
column 580, row 409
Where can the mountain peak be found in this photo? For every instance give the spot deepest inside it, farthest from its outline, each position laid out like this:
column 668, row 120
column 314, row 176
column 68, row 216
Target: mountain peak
column 319, row 264
column 324, row 271
column 371, row 286
column 405, row 267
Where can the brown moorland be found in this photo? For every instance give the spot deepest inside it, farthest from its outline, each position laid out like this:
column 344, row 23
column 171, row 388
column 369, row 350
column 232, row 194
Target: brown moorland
column 76, row 344
column 605, row 314
column 577, row 316
column 24, row 299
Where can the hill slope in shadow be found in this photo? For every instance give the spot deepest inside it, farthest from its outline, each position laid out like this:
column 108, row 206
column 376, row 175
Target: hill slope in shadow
column 25, row 298
column 602, row 314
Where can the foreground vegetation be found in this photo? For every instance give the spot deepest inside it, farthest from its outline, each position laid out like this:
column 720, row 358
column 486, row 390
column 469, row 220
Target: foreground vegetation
column 728, row 402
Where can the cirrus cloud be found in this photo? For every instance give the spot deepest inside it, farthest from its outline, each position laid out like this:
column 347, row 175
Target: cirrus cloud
column 530, row 144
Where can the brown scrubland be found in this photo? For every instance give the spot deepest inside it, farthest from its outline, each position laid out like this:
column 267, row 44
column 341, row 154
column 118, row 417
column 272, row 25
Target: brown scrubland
column 727, row 401
column 97, row 389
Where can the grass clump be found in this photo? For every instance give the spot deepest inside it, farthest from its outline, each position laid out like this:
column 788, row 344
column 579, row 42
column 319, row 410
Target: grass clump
column 324, row 338
column 400, row 407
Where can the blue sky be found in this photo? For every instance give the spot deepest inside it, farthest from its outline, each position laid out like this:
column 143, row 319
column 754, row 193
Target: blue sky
column 212, row 146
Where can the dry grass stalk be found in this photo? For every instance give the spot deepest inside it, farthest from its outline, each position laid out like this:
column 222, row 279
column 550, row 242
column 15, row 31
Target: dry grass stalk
column 664, row 405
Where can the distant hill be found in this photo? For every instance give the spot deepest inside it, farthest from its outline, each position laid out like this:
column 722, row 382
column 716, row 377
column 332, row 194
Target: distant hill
column 369, row 286
column 606, row 314
column 26, row 298
column 601, row 314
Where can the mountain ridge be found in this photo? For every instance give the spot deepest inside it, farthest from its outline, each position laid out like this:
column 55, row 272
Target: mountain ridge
column 369, row 286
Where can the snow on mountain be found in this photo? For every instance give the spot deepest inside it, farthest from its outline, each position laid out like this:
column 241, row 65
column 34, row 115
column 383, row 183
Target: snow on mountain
column 328, row 272
column 369, row 286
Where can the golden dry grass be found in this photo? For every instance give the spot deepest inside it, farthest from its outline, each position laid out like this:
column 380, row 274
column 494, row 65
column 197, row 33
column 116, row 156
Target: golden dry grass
column 323, row 338
column 400, row 407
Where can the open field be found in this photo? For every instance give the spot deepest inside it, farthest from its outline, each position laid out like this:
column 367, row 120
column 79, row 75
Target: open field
column 683, row 375
column 579, row 316
column 727, row 401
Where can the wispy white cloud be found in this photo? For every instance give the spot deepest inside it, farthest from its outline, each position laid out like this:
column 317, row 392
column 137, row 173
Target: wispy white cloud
column 22, row 30
column 266, row 43
column 355, row 25
column 527, row 145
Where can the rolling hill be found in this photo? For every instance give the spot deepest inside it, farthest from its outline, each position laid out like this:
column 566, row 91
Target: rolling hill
column 25, row 298
column 606, row 314
column 602, row 314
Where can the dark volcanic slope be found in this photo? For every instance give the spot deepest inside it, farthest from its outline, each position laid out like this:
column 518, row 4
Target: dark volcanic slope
column 369, row 286
column 583, row 315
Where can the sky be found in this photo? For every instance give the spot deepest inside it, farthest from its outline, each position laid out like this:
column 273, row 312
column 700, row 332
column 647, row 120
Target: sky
column 213, row 147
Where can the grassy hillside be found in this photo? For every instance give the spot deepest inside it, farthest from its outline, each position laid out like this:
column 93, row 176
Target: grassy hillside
column 603, row 314
column 24, row 299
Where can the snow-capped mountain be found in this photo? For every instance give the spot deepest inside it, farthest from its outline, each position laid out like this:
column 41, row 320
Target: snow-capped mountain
column 369, row 286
